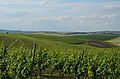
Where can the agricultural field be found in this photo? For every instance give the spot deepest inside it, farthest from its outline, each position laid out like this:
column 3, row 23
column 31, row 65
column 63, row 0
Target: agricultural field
column 38, row 56
column 115, row 41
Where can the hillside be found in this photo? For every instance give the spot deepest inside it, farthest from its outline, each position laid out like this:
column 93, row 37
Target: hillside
column 58, row 55
column 27, row 41
column 50, row 41
column 115, row 41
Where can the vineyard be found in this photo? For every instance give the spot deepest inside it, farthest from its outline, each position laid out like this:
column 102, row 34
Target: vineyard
column 35, row 57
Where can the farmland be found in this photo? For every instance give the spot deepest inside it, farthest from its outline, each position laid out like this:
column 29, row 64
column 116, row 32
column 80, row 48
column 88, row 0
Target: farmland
column 115, row 41
column 29, row 56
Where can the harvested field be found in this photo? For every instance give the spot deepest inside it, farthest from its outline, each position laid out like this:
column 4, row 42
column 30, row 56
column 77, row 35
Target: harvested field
column 95, row 44
column 115, row 41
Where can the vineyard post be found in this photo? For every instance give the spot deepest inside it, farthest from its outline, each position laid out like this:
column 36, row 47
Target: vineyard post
column 62, row 76
column 32, row 63
column 65, row 51
column 31, row 52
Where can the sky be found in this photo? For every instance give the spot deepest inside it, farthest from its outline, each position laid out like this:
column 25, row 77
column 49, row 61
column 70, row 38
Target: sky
column 60, row 15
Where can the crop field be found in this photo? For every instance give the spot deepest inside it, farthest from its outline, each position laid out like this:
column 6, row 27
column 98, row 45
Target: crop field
column 115, row 41
column 38, row 56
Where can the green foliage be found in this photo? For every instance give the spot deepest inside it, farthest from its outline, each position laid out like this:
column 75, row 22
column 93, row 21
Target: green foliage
column 84, row 62
column 87, row 63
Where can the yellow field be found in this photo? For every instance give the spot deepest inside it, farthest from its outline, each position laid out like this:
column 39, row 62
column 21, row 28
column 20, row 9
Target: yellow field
column 115, row 41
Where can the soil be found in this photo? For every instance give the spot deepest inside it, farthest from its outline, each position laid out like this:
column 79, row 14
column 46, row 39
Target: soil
column 95, row 44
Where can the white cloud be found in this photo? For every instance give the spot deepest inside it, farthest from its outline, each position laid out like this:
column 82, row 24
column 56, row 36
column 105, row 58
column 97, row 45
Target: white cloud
column 110, row 16
column 68, row 18
column 112, row 5
column 49, row 13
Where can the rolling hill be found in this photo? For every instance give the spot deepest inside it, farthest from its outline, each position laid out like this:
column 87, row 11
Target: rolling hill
column 115, row 41
column 50, row 41
column 57, row 53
